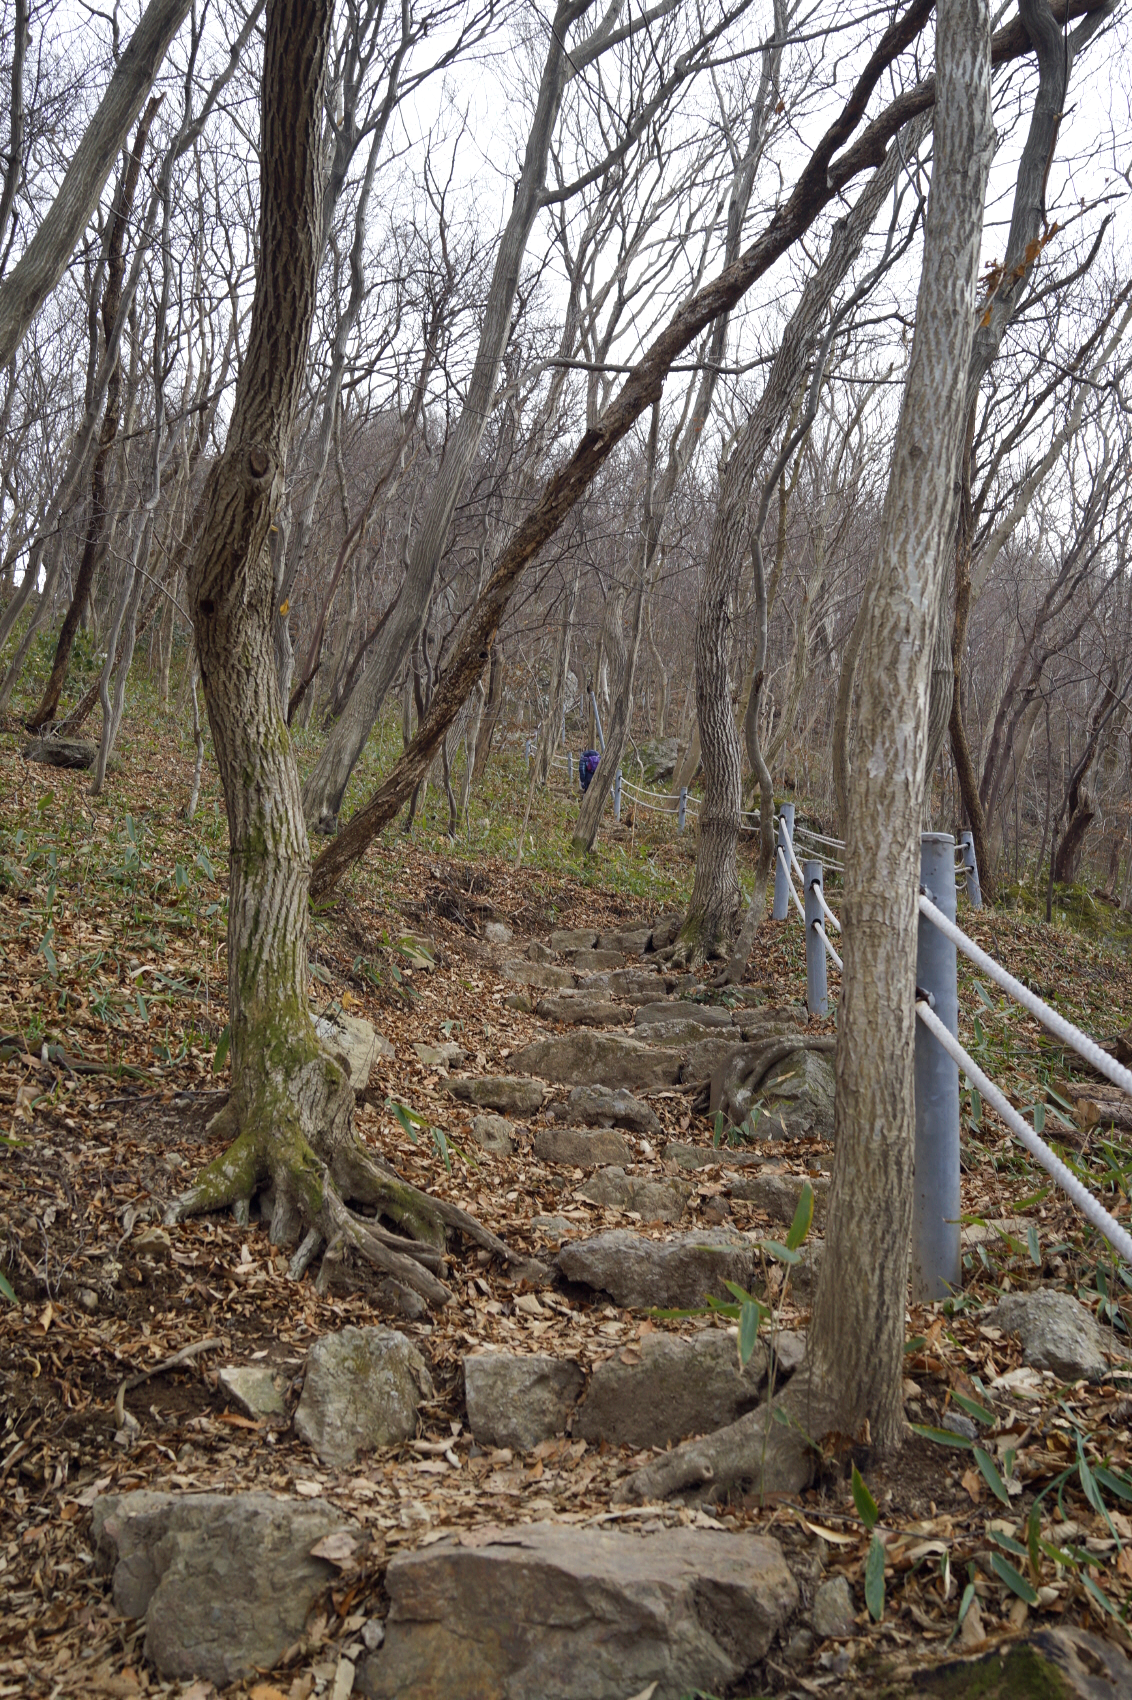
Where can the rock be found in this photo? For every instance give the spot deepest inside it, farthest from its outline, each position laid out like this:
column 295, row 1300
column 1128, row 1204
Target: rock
column 517, row 1399
column 666, row 930
column 579, row 1010
column 778, row 1193
column 545, row 1611
column 539, row 952
column 253, row 1389
column 555, row 1227
column 497, row 932
column 956, row 1423
column 707, row 1156
column 1057, row 1333
column 494, row 1133
column 576, row 939
column 1069, row 1664
column 677, row 1388
column 587, row 961
column 510, row 1094
column 581, row 1147
column 362, row 1389
column 706, row 1055
column 639, row 1273
column 601, row 1106
column 653, row 1201
column 637, row 985
column 681, row 1009
column 658, row 758
column 518, row 1001
column 223, row 1581
column 832, row 1613
column 353, row 1038
column 589, row 1058
column 446, row 1056
column 797, row 1097
column 789, row 1351
column 548, row 975
column 632, row 943
column 60, row 752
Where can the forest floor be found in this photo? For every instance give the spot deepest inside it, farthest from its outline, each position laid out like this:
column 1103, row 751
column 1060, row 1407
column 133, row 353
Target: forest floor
column 112, row 1013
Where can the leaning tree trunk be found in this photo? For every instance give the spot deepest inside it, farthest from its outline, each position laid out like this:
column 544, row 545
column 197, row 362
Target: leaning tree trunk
column 291, row 1107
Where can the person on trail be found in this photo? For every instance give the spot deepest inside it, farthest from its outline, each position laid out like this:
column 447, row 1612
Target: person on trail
column 587, row 767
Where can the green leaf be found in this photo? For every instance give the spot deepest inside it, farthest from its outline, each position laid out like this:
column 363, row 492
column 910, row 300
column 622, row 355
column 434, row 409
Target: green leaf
column 204, row 865
column 442, row 1146
column 1034, row 1539
column 983, row 993
column 874, row 1579
column 1113, row 1481
column 720, row 1124
column 990, row 1474
column 974, row 1409
column 1091, row 1491
column 741, row 1293
column 941, row 1436
column 803, row 1217
column 965, row 1603
column 7, row 1291
column 980, row 1036
column 1016, row 1582
column 749, row 1320
column 1039, row 1118
column 1035, row 1248
column 407, row 1120
column 1099, row 1595
column 976, row 1104
column 780, row 1253
column 867, row 1509
column 220, row 1055
column 1007, row 1544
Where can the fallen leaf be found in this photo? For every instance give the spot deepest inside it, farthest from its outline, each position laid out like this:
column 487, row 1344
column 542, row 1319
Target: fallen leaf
column 973, row 1482
column 265, row 1691
column 338, row 1548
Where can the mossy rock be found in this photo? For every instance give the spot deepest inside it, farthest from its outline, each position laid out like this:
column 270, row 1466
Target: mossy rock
column 1053, row 1664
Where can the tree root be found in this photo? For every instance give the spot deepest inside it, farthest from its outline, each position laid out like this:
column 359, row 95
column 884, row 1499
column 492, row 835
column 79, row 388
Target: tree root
column 766, row 1450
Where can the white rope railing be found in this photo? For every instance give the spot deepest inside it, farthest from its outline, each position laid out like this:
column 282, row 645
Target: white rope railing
column 815, row 887
column 824, row 937
column 798, row 904
column 1057, row 1024
column 818, row 838
column 1091, row 1208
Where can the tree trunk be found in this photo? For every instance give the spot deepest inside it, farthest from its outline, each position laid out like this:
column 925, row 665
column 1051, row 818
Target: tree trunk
column 291, row 1107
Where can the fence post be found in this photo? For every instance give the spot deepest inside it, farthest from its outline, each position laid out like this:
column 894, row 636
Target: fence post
column 781, row 877
column 570, row 767
column 683, row 808
column 937, row 1268
column 817, row 990
column 617, row 795
column 974, row 889
column 527, row 751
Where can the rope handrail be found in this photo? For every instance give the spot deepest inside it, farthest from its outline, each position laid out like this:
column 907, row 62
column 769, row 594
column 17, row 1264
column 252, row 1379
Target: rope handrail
column 818, row 838
column 824, row 937
column 1090, row 1207
column 798, row 904
column 815, row 887
column 785, row 831
column 1057, row 1024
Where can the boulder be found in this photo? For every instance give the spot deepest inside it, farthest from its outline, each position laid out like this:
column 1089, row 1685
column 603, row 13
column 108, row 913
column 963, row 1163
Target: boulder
column 549, row 975
column 652, row 1200
column 603, row 1106
column 362, row 1389
column 581, row 1147
column 517, row 1399
column 445, row 1056
column 671, row 1388
column 639, row 1273
column 833, row 1613
column 555, row 1227
column 518, row 1001
column 497, row 932
column 658, row 758
column 353, row 1039
column 224, row 1582
column 1057, row 1333
column 797, row 1098
column 778, row 1193
column 577, row 938
column 577, row 1009
column 705, row 1055
column 546, row 1611
column 635, row 985
column 589, row 961
column 494, row 1133
column 592, row 1058
column 1064, row 1664
column 509, row 1094
column 666, row 930
column 677, row 1010
column 693, row 1157
column 252, row 1387
column 539, row 952
column 60, row 752
column 631, row 943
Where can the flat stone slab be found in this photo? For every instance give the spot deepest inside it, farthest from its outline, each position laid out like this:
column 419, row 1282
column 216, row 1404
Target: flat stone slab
column 509, row 1094
column 573, row 938
column 591, row 1058
column 663, row 1388
column 550, row 1612
column 778, row 1194
column 517, row 1399
column 631, row 943
column 635, row 985
column 579, row 1009
column 444, row 1056
column 639, row 1273
column 550, row 975
column 652, row 1200
column 556, row 1227
column 224, row 1582
column 694, row 1157
column 581, row 1147
column 680, row 1009
column 494, row 1133
column 362, row 1389
column 587, row 961
column 1057, row 1333
column 252, row 1387
column 605, row 1106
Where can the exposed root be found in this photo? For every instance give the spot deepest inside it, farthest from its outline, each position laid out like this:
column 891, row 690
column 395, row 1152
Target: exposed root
column 767, row 1451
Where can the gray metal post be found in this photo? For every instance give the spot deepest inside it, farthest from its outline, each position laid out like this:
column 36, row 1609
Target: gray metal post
column 617, row 796
column 974, row 889
column 527, row 750
column 570, row 765
column 683, row 808
column 597, row 723
column 817, row 991
column 937, row 1268
column 781, row 877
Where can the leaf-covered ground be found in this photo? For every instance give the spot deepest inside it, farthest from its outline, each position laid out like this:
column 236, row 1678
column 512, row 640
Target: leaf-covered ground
column 112, row 1014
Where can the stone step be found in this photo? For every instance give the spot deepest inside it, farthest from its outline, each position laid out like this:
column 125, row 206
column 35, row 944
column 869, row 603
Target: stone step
column 607, row 1106
column 674, row 1010
column 651, row 1199
column 509, row 1094
column 589, row 1057
column 547, row 1611
column 582, row 1009
column 581, row 1147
